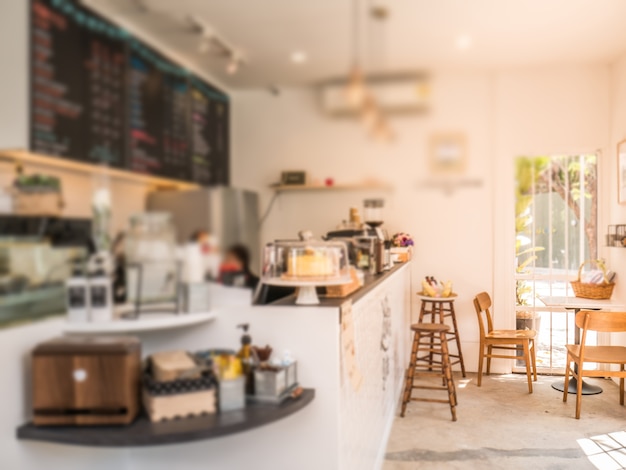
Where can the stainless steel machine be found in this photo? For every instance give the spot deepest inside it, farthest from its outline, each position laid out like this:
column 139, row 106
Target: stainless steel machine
column 230, row 214
column 365, row 240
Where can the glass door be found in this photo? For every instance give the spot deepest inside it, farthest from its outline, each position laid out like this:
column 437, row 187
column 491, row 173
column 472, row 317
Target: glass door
column 556, row 230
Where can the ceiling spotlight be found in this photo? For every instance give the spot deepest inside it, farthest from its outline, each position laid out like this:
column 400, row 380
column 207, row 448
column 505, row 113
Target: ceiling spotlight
column 463, row 42
column 214, row 44
column 205, row 46
column 273, row 89
column 140, row 6
column 233, row 66
column 379, row 12
column 299, row 57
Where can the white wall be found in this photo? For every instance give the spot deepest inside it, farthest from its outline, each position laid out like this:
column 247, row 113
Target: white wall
column 617, row 212
column 14, row 60
column 543, row 111
column 467, row 236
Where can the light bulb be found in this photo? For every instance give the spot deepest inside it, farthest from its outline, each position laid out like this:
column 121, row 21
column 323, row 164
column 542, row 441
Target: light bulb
column 233, row 66
column 370, row 114
column 463, row 42
column 382, row 132
column 355, row 91
column 299, row 57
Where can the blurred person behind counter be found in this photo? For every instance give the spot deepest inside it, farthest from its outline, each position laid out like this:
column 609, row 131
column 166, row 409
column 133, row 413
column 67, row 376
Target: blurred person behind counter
column 210, row 250
column 235, row 269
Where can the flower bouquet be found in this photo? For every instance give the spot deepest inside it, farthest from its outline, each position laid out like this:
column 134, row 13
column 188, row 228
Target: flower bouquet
column 402, row 246
column 402, row 240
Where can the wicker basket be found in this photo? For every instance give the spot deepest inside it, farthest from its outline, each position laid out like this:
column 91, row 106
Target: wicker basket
column 584, row 290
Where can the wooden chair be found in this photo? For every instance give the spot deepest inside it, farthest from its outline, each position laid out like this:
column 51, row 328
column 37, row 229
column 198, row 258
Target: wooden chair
column 608, row 322
column 513, row 340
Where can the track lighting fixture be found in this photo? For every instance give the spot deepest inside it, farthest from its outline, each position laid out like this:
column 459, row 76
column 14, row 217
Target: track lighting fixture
column 216, row 45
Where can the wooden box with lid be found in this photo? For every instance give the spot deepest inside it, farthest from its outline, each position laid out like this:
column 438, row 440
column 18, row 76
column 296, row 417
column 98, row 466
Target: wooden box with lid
column 86, row 380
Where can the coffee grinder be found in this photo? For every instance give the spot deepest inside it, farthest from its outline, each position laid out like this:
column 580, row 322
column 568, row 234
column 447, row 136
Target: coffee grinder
column 373, row 217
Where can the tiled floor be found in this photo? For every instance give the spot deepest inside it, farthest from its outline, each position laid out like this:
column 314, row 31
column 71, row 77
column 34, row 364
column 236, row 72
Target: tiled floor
column 501, row 426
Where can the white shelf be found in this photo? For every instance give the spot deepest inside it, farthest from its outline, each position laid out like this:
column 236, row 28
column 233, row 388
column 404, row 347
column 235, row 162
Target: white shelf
column 145, row 322
column 334, row 187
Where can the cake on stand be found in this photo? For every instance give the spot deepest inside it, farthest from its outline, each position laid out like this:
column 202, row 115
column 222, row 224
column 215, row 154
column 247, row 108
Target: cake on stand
column 306, row 265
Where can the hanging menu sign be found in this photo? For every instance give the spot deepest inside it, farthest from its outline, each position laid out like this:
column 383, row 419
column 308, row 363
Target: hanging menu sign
column 146, row 114
column 57, row 95
column 200, row 140
column 176, row 126
column 209, row 143
column 105, row 126
column 99, row 95
column 221, row 166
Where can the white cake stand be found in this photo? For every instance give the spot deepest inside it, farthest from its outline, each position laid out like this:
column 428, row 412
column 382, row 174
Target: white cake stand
column 307, row 294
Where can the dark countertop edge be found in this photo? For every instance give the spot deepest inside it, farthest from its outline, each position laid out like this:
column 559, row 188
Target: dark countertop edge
column 370, row 282
column 122, row 436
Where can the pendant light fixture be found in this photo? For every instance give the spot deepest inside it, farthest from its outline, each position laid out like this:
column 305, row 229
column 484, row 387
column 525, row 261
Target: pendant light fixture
column 376, row 122
column 370, row 113
column 355, row 90
column 357, row 93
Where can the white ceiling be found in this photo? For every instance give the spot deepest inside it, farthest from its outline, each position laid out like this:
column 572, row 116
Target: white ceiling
column 418, row 35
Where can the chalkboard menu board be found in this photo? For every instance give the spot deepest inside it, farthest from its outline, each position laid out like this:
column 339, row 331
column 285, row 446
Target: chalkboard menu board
column 57, row 91
column 209, row 143
column 105, row 106
column 100, row 95
column 176, row 126
column 146, row 115
column 221, row 167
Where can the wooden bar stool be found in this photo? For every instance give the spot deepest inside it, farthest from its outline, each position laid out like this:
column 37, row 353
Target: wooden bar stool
column 439, row 309
column 430, row 340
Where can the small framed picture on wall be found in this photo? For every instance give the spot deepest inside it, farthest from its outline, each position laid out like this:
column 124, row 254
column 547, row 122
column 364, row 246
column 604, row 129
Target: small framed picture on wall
column 448, row 153
column 621, row 172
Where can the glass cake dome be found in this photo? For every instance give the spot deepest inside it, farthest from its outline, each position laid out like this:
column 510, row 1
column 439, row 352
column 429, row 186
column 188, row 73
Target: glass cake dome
column 306, row 264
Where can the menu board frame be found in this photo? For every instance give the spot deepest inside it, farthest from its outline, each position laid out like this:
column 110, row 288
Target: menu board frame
column 176, row 125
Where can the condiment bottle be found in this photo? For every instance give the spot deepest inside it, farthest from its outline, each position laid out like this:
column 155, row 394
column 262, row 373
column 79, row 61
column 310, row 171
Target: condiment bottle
column 100, row 294
column 77, row 290
column 387, row 260
column 379, row 255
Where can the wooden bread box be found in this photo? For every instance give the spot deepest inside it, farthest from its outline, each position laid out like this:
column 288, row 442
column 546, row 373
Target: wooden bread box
column 86, row 380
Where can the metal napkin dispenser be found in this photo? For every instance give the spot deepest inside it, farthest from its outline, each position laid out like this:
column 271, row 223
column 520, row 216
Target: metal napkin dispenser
column 86, row 381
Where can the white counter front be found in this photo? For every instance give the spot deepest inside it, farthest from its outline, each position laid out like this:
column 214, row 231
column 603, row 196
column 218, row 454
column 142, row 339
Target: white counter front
column 345, row 427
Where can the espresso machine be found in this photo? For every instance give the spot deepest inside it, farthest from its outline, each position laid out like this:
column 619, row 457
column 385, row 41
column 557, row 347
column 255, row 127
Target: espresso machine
column 365, row 239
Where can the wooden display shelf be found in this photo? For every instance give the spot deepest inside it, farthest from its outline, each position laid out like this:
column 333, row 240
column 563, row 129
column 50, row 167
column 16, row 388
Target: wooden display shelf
column 143, row 432
column 57, row 163
column 335, row 187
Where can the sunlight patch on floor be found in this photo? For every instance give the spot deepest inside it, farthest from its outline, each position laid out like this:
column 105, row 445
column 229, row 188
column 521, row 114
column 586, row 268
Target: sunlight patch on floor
column 463, row 383
column 541, row 379
column 606, row 451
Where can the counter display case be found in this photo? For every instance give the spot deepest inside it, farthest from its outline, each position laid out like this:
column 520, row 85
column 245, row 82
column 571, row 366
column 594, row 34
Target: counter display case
column 32, row 277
